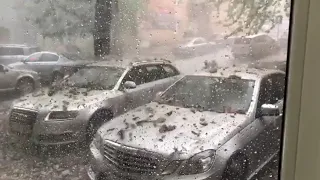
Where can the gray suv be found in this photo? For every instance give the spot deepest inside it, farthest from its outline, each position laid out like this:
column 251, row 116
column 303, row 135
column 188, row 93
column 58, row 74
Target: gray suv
column 11, row 53
column 73, row 109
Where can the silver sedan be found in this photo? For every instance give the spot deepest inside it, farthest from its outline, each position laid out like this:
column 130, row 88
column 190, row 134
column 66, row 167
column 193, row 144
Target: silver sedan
column 205, row 126
column 23, row 81
column 72, row 110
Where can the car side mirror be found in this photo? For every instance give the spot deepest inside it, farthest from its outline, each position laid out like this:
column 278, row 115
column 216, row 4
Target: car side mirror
column 270, row 110
column 158, row 96
column 129, row 85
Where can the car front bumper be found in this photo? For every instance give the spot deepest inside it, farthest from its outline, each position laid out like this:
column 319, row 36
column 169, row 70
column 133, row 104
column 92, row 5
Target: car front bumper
column 100, row 168
column 51, row 132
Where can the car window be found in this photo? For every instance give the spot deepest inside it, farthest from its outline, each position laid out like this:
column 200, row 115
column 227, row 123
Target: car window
column 137, row 75
column 169, row 70
column 47, row 57
column 11, row 51
column 216, row 94
column 201, row 132
column 34, row 57
column 278, row 85
column 271, row 90
column 154, row 72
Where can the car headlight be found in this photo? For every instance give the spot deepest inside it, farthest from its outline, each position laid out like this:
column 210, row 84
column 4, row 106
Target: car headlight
column 62, row 115
column 199, row 163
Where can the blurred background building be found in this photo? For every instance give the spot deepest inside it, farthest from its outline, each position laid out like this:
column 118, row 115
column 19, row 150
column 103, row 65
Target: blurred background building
column 13, row 28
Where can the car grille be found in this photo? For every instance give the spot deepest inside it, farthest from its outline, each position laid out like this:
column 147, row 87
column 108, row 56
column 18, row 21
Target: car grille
column 132, row 160
column 23, row 116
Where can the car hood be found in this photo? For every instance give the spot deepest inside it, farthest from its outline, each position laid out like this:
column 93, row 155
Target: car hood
column 68, row 99
column 167, row 129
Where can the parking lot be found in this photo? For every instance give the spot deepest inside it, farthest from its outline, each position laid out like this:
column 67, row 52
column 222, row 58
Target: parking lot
column 19, row 160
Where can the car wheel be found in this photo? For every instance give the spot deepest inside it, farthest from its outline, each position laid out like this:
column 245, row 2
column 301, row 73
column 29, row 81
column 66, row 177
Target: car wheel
column 97, row 120
column 25, row 86
column 237, row 167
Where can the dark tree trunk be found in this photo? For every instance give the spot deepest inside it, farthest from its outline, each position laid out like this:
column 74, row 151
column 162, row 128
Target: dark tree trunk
column 102, row 30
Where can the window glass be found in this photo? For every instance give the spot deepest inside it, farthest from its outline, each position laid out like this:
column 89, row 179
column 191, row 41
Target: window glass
column 34, row 57
column 151, row 89
column 169, row 70
column 211, row 93
column 46, row 57
column 137, row 75
column 154, row 72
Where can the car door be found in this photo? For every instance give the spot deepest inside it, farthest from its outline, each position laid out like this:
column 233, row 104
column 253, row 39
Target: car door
column 46, row 65
column 262, row 132
column 30, row 62
column 131, row 96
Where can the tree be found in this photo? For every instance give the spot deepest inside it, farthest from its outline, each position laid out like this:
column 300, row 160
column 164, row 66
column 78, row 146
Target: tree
column 249, row 16
column 59, row 18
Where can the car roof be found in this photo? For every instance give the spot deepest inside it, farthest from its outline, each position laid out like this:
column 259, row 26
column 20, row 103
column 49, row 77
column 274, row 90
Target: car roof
column 124, row 63
column 242, row 72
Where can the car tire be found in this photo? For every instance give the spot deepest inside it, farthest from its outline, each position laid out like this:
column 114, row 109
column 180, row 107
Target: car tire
column 25, row 85
column 237, row 167
column 96, row 121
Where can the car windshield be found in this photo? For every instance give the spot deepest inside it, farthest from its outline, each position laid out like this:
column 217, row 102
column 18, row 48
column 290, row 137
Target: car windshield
column 95, row 78
column 208, row 93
